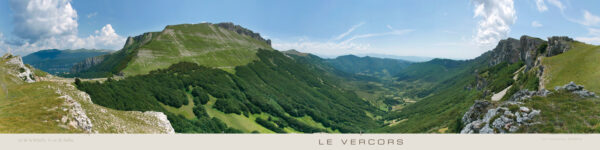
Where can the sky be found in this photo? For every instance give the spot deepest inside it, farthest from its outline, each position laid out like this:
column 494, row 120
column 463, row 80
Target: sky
column 430, row 28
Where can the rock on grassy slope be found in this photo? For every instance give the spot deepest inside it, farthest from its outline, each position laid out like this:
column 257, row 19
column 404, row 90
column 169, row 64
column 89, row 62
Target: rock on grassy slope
column 546, row 64
column 32, row 101
column 222, row 45
column 581, row 64
column 530, row 108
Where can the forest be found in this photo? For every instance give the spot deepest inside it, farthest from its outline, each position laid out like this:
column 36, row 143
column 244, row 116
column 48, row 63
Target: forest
column 275, row 84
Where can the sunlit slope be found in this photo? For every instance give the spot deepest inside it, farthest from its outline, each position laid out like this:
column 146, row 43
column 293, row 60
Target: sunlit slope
column 581, row 64
column 221, row 46
column 54, row 105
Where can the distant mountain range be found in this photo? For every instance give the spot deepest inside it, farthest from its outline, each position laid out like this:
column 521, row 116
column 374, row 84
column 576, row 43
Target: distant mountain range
column 56, row 61
column 406, row 58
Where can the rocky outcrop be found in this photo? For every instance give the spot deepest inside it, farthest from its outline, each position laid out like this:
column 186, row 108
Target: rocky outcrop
column 87, row 63
column 20, row 70
column 243, row 31
column 138, row 40
column 76, row 116
column 558, row 45
column 508, row 117
column 162, row 122
column 512, row 50
column 575, row 89
column 500, row 119
column 478, row 109
column 506, row 51
column 529, row 50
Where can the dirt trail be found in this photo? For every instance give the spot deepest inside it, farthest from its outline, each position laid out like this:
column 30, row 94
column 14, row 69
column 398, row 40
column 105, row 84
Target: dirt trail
column 498, row 96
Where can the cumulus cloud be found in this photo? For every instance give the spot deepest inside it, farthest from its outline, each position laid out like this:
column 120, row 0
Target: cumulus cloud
column 48, row 24
column 106, row 37
column 541, row 6
column 496, row 17
column 39, row 19
column 536, row 24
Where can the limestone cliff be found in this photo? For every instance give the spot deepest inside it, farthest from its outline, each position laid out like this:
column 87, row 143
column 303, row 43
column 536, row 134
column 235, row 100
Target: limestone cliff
column 512, row 50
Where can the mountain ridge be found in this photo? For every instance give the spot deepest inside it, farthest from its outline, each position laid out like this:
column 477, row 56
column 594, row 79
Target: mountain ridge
column 222, row 45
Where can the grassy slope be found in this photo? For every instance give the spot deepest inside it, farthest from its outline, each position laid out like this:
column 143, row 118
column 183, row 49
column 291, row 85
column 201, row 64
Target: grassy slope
column 566, row 113
column 30, row 108
column 204, row 44
column 36, row 107
column 448, row 99
column 240, row 122
column 581, row 64
column 185, row 110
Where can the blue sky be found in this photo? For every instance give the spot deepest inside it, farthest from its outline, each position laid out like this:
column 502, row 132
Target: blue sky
column 432, row 28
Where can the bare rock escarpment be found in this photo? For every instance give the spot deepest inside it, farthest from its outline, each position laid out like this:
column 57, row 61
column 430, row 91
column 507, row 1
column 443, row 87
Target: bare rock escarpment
column 558, row 45
column 22, row 71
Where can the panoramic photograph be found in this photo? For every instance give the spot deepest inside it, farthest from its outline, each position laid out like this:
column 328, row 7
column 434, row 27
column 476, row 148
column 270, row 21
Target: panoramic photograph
column 326, row 67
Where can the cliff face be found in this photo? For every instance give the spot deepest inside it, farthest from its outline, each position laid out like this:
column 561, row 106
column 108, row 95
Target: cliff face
column 56, row 61
column 243, row 31
column 134, row 42
column 512, row 50
column 18, row 68
column 87, row 63
column 558, row 45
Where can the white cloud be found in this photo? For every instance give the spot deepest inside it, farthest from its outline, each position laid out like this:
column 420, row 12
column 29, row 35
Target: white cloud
column 90, row 15
column 541, row 6
column 49, row 24
column 589, row 40
column 341, row 36
column 496, row 17
column 322, row 48
column 105, row 38
column 592, row 38
column 536, row 24
column 3, row 47
column 38, row 19
column 557, row 4
column 594, row 31
column 369, row 35
column 333, row 47
column 590, row 19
